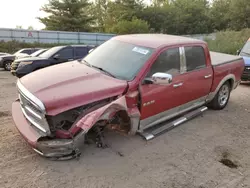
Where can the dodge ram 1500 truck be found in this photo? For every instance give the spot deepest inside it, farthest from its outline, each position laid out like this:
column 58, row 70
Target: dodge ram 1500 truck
column 130, row 83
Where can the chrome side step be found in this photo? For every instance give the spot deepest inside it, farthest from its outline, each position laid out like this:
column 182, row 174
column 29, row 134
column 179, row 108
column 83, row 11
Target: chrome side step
column 153, row 132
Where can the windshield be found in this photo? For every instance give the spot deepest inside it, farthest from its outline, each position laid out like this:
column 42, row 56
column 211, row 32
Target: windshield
column 36, row 53
column 18, row 52
column 50, row 52
column 246, row 50
column 120, row 59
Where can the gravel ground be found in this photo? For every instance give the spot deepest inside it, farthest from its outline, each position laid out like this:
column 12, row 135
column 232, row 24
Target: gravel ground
column 189, row 156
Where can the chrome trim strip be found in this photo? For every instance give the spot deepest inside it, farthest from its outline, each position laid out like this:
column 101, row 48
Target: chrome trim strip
column 37, row 151
column 178, row 122
column 30, row 96
column 34, row 113
column 148, row 136
column 33, row 122
column 204, row 109
column 183, row 67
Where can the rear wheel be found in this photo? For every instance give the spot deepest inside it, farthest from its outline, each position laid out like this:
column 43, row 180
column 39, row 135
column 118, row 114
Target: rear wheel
column 221, row 98
column 7, row 65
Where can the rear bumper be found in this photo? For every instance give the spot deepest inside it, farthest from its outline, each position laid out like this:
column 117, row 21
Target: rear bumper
column 52, row 148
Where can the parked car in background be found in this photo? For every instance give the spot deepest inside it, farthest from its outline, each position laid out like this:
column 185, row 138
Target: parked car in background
column 130, row 82
column 6, row 60
column 34, row 54
column 17, row 61
column 53, row 56
column 3, row 53
column 245, row 53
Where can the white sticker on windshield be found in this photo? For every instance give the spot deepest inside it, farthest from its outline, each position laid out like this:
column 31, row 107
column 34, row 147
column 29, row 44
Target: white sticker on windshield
column 140, row 50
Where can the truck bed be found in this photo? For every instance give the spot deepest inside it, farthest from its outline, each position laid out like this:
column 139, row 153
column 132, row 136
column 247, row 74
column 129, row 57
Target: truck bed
column 221, row 58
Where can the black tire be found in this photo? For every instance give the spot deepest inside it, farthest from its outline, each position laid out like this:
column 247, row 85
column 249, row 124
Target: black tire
column 7, row 65
column 220, row 100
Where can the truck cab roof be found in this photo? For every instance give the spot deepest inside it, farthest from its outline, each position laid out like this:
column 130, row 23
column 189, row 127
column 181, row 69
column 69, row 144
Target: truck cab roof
column 155, row 40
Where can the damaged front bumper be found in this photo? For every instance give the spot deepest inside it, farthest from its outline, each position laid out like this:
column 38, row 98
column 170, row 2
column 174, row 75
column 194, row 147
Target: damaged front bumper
column 60, row 149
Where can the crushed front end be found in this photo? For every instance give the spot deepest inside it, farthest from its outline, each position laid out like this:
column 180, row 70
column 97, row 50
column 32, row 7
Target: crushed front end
column 29, row 116
column 62, row 136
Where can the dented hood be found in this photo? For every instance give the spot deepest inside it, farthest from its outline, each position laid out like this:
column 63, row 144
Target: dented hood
column 69, row 85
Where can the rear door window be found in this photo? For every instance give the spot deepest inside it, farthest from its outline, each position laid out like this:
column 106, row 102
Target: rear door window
column 195, row 57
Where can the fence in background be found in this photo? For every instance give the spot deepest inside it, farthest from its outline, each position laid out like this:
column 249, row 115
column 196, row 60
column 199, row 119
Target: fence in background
column 62, row 37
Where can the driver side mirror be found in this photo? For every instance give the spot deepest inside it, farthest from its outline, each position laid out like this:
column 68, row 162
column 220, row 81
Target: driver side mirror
column 57, row 56
column 159, row 78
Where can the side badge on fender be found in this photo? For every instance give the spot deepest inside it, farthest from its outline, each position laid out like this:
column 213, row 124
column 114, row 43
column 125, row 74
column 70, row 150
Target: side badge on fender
column 148, row 103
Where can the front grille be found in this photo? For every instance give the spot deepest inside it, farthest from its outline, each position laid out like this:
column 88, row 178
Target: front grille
column 33, row 113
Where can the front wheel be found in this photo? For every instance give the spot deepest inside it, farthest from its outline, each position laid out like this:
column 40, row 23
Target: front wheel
column 7, row 65
column 221, row 98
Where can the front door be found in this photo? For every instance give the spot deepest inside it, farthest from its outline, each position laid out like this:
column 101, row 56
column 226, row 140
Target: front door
column 159, row 102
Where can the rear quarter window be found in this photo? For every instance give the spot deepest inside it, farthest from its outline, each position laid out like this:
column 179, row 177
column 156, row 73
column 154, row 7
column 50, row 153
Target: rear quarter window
column 195, row 57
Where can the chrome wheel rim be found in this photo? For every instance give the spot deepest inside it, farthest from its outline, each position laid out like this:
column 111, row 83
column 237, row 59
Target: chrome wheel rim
column 8, row 66
column 223, row 95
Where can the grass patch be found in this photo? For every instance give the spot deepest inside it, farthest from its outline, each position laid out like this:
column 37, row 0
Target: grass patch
column 229, row 41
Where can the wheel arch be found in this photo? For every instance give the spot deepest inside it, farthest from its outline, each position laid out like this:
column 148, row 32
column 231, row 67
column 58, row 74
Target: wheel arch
column 229, row 78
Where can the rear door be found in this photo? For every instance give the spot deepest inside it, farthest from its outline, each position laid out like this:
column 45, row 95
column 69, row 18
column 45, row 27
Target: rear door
column 197, row 77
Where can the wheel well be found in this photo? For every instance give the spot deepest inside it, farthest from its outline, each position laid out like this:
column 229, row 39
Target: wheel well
column 7, row 61
column 231, row 83
column 121, row 121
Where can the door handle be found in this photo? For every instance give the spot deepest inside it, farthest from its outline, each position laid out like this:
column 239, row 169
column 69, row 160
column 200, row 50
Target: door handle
column 208, row 76
column 70, row 59
column 177, row 85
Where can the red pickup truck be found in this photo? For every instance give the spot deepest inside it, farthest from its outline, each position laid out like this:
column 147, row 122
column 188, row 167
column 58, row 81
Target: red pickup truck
column 131, row 83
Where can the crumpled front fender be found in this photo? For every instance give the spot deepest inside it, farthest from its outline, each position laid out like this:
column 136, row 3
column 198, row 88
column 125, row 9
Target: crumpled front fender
column 107, row 112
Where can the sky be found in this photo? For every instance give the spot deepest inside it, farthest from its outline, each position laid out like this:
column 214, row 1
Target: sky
column 21, row 12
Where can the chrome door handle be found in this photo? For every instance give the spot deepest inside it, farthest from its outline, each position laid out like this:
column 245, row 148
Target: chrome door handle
column 177, row 85
column 208, row 76
column 70, row 59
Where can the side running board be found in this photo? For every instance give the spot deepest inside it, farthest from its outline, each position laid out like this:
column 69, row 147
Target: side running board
column 148, row 135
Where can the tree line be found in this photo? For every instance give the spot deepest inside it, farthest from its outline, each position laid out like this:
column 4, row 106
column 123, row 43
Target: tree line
column 179, row 17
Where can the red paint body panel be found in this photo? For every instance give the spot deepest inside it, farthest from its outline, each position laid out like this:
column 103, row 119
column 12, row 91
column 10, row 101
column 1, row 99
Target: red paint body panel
column 104, row 112
column 74, row 85
column 195, row 85
column 235, row 68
